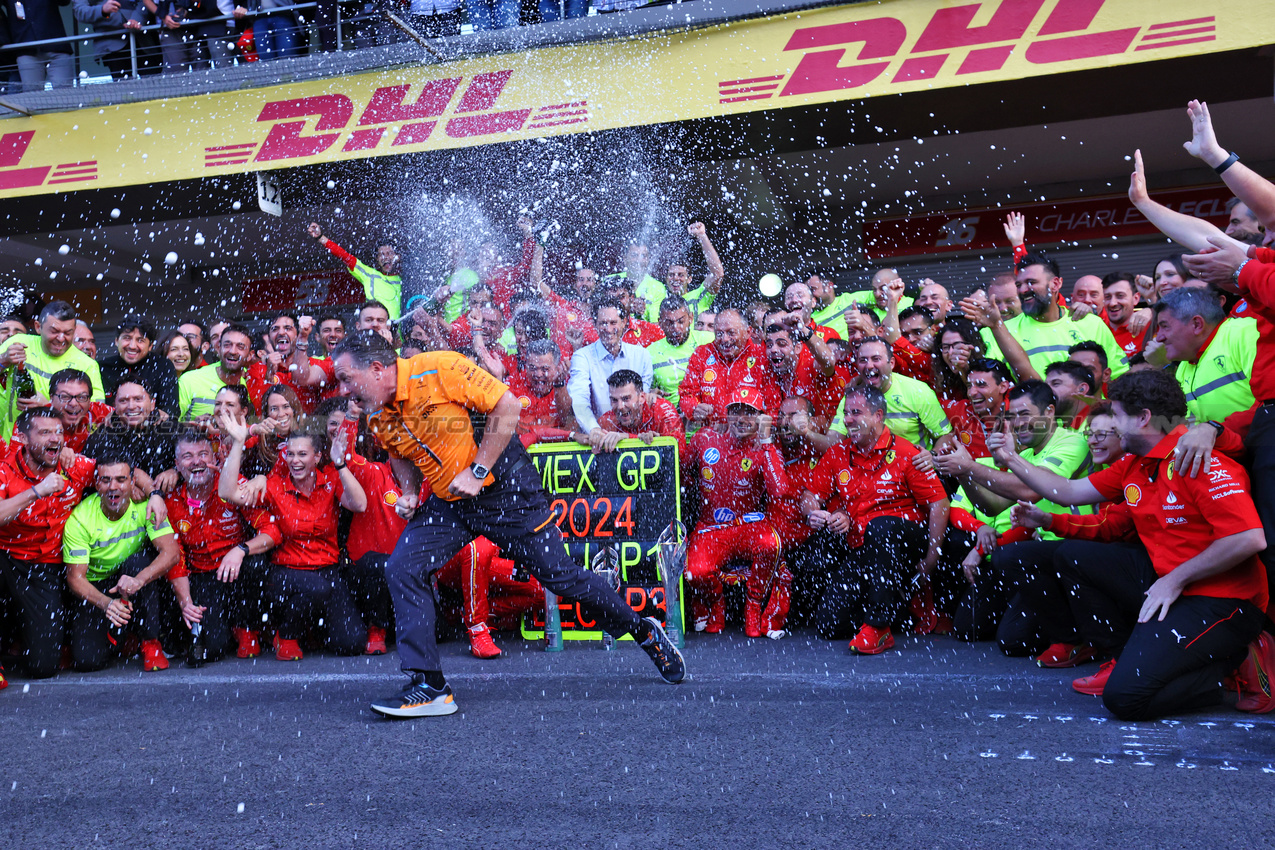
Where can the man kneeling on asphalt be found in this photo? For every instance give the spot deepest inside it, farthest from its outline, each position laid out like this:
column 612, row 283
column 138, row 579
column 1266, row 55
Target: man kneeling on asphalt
column 893, row 516
column 113, row 572
column 1184, row 614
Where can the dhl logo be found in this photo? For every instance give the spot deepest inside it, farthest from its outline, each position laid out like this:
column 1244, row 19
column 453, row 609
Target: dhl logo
column 876, row 45
column 13, row 147
column 417, row 111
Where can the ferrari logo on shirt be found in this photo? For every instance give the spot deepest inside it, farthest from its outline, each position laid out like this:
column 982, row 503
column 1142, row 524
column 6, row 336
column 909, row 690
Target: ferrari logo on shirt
column 746, row 464
column 889, row 456
column 752, row 361
column 1169, row 472
column 1132, row 495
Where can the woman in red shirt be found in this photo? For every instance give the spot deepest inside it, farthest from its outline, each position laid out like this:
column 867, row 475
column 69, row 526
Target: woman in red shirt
column 375, row 531
column 300, row 506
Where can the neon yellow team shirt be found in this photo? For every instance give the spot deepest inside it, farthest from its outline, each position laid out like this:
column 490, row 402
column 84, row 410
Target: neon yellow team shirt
column 912, row 411
column 668, row 363
column 1047, row 342
column 197, row 390
column 868, row 299
column 833, row 316
column 90, row 538
column 388, row 289
column 1217, row 385
column 42, row 366
column 1066, row 454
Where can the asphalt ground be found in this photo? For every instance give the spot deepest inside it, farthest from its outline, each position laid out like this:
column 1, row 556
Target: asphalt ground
column 787, row 744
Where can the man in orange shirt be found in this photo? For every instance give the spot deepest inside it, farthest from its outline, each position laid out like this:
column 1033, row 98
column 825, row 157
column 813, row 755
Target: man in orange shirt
column 420, row 411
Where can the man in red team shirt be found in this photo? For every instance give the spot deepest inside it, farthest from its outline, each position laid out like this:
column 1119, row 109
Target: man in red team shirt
column 541, row 389
column 736, row 470
column 637, row 331
column 573, row 318
column 802, row 364
column 893, row 516
column 215, row 537
column 37, row 494
column 637, row 414
column 979, row 413
column 373, row 532
column 1120, row 297
column 70, row 394
column 732, row 360
column 286, row 362
column 794, row 429
column 1188, row 609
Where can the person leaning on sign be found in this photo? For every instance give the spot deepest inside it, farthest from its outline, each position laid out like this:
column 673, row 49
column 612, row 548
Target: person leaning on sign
column 1189, row 610
column 112, row 570
column 637, row 414
column 893, row 514
column 382, row 283
column 420, row 410
column 736, row 470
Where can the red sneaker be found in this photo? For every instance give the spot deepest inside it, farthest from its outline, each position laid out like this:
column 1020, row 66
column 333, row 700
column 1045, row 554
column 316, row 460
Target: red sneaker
column 716, row 617
column 1094, row 685
column 1257, row 694
column 924, row 612
column 944, row 625
column 153, row 656
column 871, row 640
column 480, row 642
column 249, row 643
column 375, row 640
column 1066, row 655
column 752, row 619
column 775, row 617
column 287, row 650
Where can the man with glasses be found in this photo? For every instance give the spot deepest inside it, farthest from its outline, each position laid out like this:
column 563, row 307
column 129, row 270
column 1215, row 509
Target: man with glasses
column 72, row 402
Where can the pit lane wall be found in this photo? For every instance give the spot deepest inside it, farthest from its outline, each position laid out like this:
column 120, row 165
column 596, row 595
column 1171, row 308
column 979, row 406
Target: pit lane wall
column 815, row 56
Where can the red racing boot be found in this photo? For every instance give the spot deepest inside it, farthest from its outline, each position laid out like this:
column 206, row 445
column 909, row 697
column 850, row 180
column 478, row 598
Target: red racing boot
column 4, row 683
column 752, row 619
column 1066, row 655
column 872, row 641
column 1257, row 693
column 1097, row 683
column 480, row 642
column 716, row 616
column 375, row 640
column 249, row 643
column 153, row 656
column 287, row 650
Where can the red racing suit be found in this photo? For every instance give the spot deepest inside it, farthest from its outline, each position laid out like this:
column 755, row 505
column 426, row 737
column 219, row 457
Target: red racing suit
column 486, row 582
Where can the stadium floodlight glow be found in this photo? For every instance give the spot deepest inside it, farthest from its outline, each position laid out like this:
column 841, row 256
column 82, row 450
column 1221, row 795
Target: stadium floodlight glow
column 770, row 285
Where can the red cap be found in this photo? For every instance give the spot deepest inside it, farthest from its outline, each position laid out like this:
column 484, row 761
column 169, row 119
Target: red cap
column 749, row 396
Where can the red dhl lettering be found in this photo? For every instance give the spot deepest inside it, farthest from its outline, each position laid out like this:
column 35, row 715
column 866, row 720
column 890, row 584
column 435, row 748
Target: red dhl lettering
column 418, row 116
column 1067, row 33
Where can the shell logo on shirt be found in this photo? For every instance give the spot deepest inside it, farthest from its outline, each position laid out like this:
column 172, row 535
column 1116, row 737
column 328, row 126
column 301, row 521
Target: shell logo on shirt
column 524, row 401
column 966, row 437
column 391, row 498
column 709, row 376
column 708, row 473
column 183, row 526
column 1132, row 495
column 844, row 476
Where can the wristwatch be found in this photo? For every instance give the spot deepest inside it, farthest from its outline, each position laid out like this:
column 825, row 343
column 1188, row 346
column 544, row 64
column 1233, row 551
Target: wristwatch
column 244, row 547
column 480, row 472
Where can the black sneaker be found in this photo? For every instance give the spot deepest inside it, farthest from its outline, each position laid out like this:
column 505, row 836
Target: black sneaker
column 665, row 655
column 417, row 700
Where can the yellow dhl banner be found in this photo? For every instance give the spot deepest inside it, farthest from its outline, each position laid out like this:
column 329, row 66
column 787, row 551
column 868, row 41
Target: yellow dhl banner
column 826, row 55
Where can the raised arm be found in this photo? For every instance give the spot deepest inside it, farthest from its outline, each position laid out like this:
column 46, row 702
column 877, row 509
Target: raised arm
column 353, row 497
column 1255, row 191
column 228, row 482
column 716, row 272
column 1186, row 230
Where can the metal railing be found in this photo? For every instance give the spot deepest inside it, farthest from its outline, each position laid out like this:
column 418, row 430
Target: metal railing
column 308, row 25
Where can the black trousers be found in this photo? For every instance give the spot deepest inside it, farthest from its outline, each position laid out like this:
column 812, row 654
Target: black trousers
column 1164, row 666
column 301, row 598
column 217, row 598
column 366, row 578
column 91, row 644
column 250, row 599
column 513, row 513
column 868, row 584
column 1260, row 443
column 36, row 591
